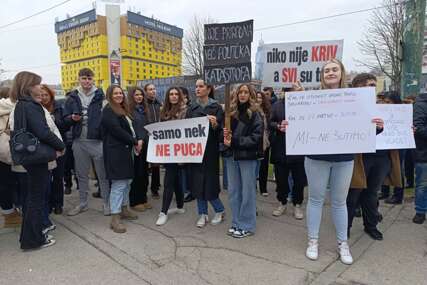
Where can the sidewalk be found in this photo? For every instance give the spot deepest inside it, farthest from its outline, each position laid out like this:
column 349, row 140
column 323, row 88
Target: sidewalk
column 88, row 252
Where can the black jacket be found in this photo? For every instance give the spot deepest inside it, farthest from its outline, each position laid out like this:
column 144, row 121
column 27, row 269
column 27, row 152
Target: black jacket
column 420, row 124
column 118, row 143
column 247, row 138
column 140, row 120
column 204, row 182
column 73, row 105
column 277, row 138
column 153, row 112
column 58, row 117
column 36, row 122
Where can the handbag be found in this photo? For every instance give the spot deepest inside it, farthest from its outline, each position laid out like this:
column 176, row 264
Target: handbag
column 25, row 147
column 5, row 155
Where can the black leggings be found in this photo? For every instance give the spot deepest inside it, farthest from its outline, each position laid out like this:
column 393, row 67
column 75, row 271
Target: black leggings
column 8, row 186
column 172, row 185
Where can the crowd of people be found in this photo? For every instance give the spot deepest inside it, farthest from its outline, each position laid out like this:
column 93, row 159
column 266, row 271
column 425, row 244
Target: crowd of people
column 102, row 137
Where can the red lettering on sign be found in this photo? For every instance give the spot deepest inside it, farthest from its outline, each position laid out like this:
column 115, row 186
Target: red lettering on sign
column 162, row 150
column 188, row 149
column 323, row 53
column 289, row 75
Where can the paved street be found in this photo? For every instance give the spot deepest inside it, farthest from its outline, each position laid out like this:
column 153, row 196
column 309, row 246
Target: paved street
column 88, row 252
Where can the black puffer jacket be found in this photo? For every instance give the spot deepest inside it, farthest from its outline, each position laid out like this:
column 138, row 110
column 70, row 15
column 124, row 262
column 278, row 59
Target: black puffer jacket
column 153, row 111
column 420, row 124
column 247, row 134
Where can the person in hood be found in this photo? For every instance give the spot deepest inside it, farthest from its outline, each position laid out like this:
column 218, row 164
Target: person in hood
column 204, row 182
column 8, row 185
column 153, row 116
column 83, row 111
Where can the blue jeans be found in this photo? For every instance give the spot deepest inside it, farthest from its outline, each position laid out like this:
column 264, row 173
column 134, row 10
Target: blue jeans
column 119, row 195
column 421, row 188
column 183, row 180
column 338, row 176
column 202, row 206
column 242, row 193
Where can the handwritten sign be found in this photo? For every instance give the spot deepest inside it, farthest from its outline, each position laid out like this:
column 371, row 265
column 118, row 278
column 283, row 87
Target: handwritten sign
column 283, row 64
column 178, row 141
column 227, row 53
column 334, row 121
column 397, row 132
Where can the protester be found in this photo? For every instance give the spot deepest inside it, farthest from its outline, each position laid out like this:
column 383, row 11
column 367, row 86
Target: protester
column 420, row 132
column 26, row 92
column 120, row 142
column 138, row 190
column 8, row 185
column 174, row 108
column 334, row 170
column 243, row 145
column 153, row 116
column 204, row 182
column 269, row 92
column 284, row 164
column 263, row 163
column 184, row 173
column 56, row 195
column 82, row 111
column 369, row 173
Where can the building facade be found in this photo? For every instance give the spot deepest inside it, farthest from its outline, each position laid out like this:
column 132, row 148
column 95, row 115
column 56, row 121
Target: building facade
column 148, row 49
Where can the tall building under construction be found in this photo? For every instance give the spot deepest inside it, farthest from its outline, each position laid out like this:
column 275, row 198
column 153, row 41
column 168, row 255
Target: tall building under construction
column 120, row 49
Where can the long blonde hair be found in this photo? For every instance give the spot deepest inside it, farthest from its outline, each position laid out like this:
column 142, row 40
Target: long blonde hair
column 121, row 109
column 322, row 76
column 253, row 105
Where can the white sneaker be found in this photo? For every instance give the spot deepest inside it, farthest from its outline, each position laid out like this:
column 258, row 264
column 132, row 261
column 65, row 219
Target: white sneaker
column 77, row 210
column 298, row 213
column 312, row 251
column 106, row 210
column 163, row 218
column 176, row 211
column 279, row 211
column 218, row 218
column 344, row 252
column 201, row 222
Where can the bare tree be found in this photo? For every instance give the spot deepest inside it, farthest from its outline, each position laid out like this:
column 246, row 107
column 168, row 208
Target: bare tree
column 193, row 46
column 381, row 42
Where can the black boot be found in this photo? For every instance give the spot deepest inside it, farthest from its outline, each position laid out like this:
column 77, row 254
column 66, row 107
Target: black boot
column 419, row 218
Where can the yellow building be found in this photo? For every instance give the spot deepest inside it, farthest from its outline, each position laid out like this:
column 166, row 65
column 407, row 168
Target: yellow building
column 148, row 49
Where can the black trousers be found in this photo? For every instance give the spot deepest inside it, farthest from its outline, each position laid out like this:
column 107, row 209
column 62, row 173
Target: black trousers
column 376, row 169
column 69, row 167
column 57, row 193
column 8, row 186
column 281, row 171
column 263, row 171
column 32, row 225
column 172, row 185
column 410, row 167
column 155, row 178
column 138, row 187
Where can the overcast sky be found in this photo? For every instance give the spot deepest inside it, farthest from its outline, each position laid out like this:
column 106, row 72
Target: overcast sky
column 31, row 44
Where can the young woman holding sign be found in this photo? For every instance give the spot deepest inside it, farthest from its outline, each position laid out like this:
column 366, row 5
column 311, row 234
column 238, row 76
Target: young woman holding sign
column 120, row 143
column 334, row 170
column 243, row 146
column 174, row 108
column 139, row 185
column 204, row 182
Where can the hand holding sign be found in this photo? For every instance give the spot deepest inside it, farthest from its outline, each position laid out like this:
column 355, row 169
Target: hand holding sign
column 282, row 126
column 227, row 137
column 212, row 120
column 379, row 123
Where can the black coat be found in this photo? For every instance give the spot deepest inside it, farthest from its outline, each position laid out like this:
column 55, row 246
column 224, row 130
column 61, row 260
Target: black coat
column 420, row 124
column 118, row 143
column 277, row 138
column 73, row 105
column 153, row 112
column 204, row 182
column 247, row 138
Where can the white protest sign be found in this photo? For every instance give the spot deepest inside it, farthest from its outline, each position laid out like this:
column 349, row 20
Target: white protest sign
column 283, row 64
column 397, row 132
column 178, row 141
column 334, row 121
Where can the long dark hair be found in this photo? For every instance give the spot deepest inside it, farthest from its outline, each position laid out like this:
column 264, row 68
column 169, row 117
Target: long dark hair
column 265, row 105
column 121, row 109
column 131, row 100
column 22, row 84
column 170, row 111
